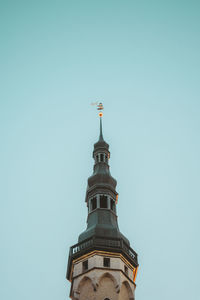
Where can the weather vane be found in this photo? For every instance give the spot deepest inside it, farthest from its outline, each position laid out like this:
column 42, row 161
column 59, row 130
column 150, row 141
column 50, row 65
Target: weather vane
column 99, row 106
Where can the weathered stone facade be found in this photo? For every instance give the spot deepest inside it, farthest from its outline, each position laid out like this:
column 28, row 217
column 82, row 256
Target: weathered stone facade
column 98, row 282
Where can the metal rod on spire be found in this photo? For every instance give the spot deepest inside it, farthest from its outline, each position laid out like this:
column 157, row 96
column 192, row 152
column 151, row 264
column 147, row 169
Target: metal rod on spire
column 101, row 133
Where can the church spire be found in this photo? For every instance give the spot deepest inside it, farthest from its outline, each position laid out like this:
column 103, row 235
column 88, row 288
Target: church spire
column 101, row 194
column 102, row 254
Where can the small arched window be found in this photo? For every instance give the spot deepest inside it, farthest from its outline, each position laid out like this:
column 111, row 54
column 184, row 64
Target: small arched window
column 106, row 299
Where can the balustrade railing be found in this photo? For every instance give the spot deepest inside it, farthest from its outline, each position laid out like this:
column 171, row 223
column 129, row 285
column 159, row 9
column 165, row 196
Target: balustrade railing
column 103, row 242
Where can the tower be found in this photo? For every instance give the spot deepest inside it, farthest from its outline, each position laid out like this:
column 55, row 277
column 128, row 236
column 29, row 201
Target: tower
column 102, row 265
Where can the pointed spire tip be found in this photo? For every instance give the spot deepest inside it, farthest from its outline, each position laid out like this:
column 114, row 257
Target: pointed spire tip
column 101, row 132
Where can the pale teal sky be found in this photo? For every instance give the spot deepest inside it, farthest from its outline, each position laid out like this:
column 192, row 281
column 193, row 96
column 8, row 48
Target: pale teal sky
column 142, row 60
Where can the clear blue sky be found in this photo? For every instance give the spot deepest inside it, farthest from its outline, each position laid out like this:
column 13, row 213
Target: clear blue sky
column 142, row 60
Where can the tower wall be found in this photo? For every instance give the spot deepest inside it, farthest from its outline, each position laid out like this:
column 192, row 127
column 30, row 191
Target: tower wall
column 99, row 282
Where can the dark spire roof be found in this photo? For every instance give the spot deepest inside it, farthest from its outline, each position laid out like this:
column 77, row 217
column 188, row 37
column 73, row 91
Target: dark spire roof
column 101, row 174
column 101, row 143
column 101, row 222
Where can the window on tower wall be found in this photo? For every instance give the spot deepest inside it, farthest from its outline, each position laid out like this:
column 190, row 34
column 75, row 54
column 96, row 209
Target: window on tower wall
column 101, row 157
column 85, row 265
column 125, row 269
column 103, row 202
column 97, row 158
column 106, row 158
column 93, row 203
column 106, row 262
column 112, row 204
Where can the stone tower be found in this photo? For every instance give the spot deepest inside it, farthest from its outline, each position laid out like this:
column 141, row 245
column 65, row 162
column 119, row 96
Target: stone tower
column 102, row 265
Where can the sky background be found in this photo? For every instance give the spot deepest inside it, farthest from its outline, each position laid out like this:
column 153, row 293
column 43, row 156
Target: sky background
column 142, row 60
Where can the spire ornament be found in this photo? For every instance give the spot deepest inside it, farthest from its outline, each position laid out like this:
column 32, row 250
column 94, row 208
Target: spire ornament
column 100, row 107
